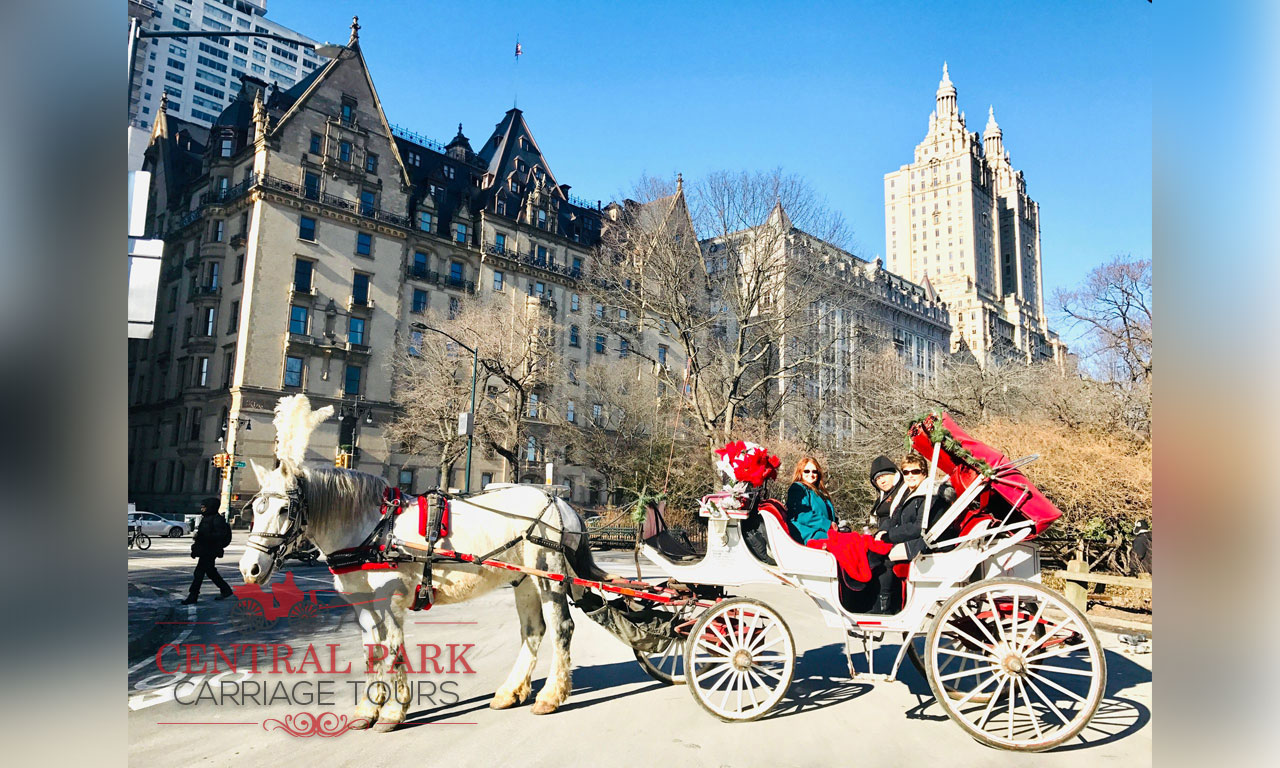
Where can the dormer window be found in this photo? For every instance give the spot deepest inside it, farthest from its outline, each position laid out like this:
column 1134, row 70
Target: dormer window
column 448, row 171
column 348, row 110
column 228, row 144
column 542, row 219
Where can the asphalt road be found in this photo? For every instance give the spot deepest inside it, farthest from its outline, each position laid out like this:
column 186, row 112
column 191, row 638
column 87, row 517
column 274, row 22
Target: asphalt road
column 617, row 715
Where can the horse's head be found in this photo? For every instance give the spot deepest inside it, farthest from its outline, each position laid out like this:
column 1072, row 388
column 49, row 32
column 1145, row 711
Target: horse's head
column 279, row 520
column 279, row 508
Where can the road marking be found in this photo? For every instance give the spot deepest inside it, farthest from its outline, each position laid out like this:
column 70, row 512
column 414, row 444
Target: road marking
column 191, row 616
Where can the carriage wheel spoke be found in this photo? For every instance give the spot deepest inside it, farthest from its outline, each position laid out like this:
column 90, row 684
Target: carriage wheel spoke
column 968, row 672
column 1031, row 628
column 730, row 688
column 768, row 672
column 721, row 672
column 1049, row 635
column 776, row 639
column 964, row 654
column 1035, row 719
column 1052, row 707
column 719, row 651
column 752, row 688
column 994, row 677
column 1013, row 706
column 992, row 703
column 1063, row 670
column 1054, row 685
column 951, row 627
column 1063, row 651
column 969, row 613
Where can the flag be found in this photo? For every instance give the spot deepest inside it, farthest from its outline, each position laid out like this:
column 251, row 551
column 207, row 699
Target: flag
column 519, row 50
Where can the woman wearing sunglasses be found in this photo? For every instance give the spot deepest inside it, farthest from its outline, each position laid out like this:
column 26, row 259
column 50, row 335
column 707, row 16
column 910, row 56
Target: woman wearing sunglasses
column 810, row 513
column 902, row 529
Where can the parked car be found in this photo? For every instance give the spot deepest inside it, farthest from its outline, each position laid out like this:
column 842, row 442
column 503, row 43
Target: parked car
column 155, row 525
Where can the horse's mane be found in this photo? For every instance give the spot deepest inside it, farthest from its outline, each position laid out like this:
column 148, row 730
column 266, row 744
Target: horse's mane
column 340, row 497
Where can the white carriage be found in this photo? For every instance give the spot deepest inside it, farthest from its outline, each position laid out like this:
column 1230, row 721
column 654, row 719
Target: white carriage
column 1009, row 660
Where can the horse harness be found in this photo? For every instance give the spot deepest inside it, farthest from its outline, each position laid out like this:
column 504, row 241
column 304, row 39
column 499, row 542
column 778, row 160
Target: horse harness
column 381, row 550
column 295, row 524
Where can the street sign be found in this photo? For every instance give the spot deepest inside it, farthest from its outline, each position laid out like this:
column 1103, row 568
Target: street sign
column 239, row 464
column 466, row 424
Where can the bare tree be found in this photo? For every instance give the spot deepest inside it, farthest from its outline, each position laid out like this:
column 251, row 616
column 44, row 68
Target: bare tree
column 1113, row 306
column 432, row 380
column 721, row 275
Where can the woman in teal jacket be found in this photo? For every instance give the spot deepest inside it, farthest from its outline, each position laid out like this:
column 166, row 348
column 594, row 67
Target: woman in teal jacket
column 810, row 514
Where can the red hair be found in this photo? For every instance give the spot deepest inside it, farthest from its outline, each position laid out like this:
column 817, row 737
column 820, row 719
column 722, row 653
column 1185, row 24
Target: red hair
column 798, row 475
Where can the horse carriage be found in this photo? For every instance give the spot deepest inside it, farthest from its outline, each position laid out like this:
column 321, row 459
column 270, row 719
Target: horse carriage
column 1009, row 660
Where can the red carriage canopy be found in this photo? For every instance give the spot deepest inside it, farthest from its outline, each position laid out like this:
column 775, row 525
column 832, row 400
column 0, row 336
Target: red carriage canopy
column 1010, row 485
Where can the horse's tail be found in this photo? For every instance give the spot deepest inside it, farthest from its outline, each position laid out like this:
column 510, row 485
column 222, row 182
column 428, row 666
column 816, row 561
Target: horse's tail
column 578, row 548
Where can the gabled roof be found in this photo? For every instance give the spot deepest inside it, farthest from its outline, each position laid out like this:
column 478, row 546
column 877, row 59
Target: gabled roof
column 181, row 146
column 929, row 292
column 503, row 148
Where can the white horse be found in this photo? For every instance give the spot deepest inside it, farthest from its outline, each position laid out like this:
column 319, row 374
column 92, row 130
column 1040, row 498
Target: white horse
column 338, row 508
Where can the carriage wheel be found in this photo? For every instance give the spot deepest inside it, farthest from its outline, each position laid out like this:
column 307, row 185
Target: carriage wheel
column 666, row 666
column 250, row 614
column 1035, row 660
column 303, row 611
column 739, row 659
column 954, row 663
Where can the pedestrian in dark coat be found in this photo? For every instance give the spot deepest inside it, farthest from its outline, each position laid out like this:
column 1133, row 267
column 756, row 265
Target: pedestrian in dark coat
column 903, row 528
column 209, row 543
column 885, row 479
column 1142, row 545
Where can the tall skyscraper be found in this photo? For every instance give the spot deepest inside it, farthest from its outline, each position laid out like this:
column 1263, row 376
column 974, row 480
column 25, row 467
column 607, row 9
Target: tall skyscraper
column 201, row 76
column 959, row 217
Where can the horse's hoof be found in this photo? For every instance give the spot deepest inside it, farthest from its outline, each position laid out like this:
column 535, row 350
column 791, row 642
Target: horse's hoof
column 507, row 703
column 360, row 723
column 544, row 708
column 383, row 726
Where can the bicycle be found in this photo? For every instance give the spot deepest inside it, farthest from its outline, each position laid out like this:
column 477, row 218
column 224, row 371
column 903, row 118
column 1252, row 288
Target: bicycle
column 139, row 539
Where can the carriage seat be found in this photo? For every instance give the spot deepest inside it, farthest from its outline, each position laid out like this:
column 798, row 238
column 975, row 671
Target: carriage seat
column 790, row 555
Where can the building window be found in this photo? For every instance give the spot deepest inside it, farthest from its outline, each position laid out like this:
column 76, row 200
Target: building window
column 371, row 163
column 210, row 317
column 419, row 264
column 542, row 255
column 570, row 415
column 219, row 230
column 368, row 202
column 234, row 325
column 595, row 413
column 419, row 301
column 424, row 221
column 455, row 307
column 600, row 311
column 624, row 348
column 194, row 434
column 497, row 280
column 307, row 229
column 415, row 343
column 573, row 372
column 542, row 219
column 500, row 243
column 573, row 335
column 455, row 273
column 360, row 289
column 302, row 269
column 202, row 372
column 316, row 143
column 227, row 145
column 293, row 372
column 228, row 368
column 623, row 314
column 344, row 151
column 351, row 380
column 577, row 265
column 574, row 302
column 364, row 244
column 348, row 110
column 298, row 319
column 533, row 405
column 485, row 479
column 461, row 236
column 406, row 480
column 662, row 354
column 600, row 344
column 311, row 185
column 355, row 330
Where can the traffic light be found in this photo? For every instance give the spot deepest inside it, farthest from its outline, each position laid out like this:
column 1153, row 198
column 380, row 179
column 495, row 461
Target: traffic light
column 343, row 461
column 220, row 460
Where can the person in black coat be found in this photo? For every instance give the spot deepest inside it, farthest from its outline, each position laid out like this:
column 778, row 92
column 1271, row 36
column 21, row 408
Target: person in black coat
column 1142, row 545
column 207, row 545
column 886, row 480
column 903, row 529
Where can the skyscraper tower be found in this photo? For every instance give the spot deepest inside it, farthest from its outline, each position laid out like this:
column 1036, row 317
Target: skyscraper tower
column 959, row 215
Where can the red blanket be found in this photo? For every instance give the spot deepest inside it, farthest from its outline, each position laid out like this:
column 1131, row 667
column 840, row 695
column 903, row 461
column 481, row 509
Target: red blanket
column 850, row 550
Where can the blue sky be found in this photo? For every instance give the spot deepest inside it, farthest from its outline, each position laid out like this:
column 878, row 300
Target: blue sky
column 837, row 92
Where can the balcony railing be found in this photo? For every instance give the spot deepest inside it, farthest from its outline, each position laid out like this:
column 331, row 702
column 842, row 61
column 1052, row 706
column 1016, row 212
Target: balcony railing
column 416, row 138
column 532, row 260
column 201, row 291
column 448, row 281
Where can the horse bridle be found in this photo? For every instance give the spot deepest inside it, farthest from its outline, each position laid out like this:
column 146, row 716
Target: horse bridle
column 295, row 525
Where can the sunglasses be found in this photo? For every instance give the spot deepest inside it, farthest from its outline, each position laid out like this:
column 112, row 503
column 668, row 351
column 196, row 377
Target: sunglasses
column 810, row 472
column 913, row 471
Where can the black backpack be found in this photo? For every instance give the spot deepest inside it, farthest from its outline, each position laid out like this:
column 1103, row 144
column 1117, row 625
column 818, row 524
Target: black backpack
column 223, row 532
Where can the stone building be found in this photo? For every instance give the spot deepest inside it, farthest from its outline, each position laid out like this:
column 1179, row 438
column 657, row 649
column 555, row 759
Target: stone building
column 959, row 215
column 303, row 237
column 865, row 313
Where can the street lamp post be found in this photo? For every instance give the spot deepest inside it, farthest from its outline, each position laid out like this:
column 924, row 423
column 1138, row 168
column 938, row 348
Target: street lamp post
column 328, row 50
column 470, row 415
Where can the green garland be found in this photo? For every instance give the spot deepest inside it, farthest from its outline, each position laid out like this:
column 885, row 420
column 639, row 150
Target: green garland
column 941, row 435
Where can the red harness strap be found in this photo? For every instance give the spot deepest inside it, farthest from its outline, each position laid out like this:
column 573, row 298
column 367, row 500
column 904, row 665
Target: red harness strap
column 424, row 522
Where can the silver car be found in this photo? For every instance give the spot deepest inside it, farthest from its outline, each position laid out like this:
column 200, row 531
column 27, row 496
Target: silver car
column 155, row 525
